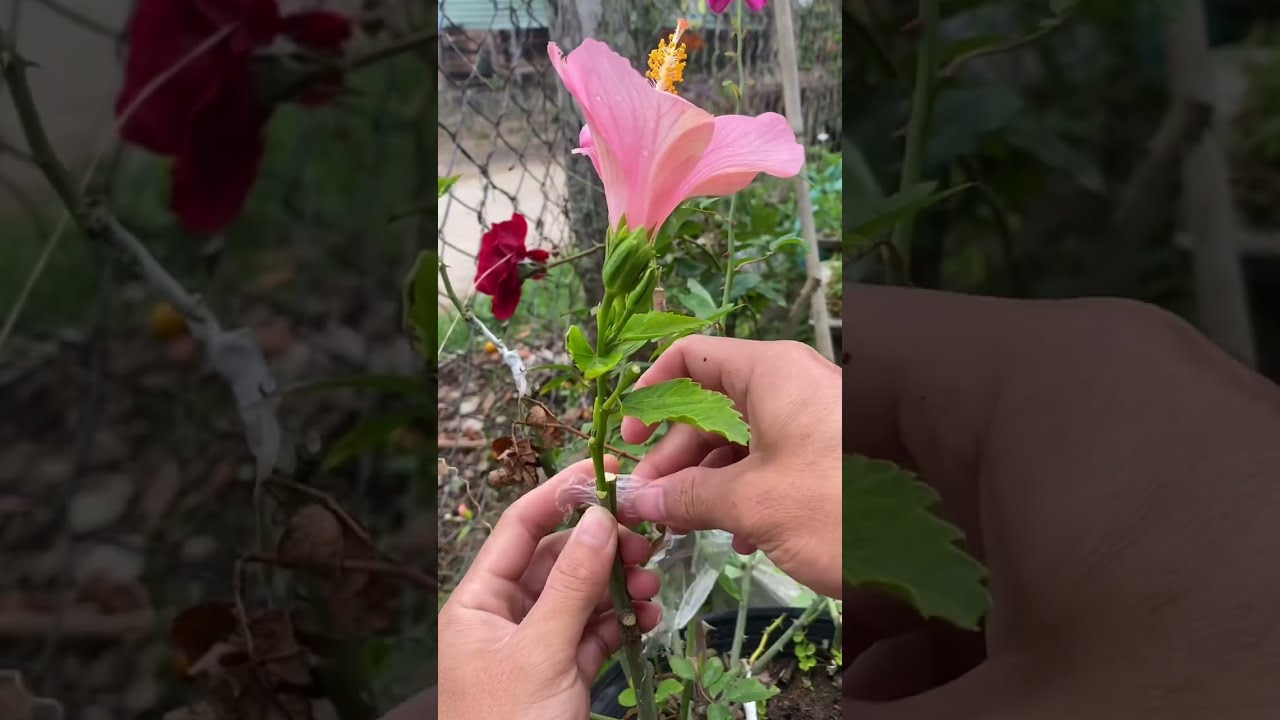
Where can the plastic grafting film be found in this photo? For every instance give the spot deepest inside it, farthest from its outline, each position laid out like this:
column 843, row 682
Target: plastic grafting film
column 689, row 566
column 580, row 490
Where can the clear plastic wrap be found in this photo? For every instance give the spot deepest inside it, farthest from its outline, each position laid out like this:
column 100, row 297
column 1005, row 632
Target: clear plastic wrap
column 580, row 490
column 689, row 565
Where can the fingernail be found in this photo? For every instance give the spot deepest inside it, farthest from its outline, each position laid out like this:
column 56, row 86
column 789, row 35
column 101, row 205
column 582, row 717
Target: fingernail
column 650, row 505
column 596, row 527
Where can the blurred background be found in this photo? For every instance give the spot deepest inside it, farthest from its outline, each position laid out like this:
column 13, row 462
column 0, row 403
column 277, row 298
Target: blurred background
column 127, row 490
column 1104, row 148
column 506, row 128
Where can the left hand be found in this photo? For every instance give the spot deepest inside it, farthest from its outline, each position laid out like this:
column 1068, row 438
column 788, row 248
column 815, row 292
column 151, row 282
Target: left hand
column 527, row 630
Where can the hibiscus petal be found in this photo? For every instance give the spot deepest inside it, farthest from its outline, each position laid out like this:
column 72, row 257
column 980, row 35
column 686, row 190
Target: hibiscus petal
column 756, row 5
column 741, row 148
column 718, row 6
column 642, row 141
column 319, row 30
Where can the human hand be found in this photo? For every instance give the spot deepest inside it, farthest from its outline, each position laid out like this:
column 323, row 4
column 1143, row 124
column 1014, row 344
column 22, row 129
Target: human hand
column 1116, row 473
column 530, row 625
column 783, row 495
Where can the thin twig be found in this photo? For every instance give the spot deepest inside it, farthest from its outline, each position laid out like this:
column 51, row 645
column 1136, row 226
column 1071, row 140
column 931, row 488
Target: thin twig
column 561, row 426
column 511, row 358
column 371, row 566
column 327, row 500
column 758, row 665
column 1046, row 27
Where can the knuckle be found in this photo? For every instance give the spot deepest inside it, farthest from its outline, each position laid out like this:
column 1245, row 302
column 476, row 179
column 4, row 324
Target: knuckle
column 574, row 573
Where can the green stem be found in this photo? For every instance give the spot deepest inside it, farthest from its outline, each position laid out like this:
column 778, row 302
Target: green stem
column 638, row 670
column 42, row 152
column 690, row 651
column 918, row 125
column 733, row 199
column 801, row 622
column 740, row 628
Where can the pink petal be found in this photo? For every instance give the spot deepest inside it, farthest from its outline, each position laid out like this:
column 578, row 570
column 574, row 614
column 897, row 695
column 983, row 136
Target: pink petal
column 718, row 6
column 641, row 141
column 741, row 147
column 756, row 5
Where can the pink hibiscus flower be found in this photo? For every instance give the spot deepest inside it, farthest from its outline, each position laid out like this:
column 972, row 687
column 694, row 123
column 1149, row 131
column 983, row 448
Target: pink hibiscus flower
column 653, row 149
column 719, row 6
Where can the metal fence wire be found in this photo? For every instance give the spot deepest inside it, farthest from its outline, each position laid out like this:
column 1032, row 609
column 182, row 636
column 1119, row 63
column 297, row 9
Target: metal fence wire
column 506, row 126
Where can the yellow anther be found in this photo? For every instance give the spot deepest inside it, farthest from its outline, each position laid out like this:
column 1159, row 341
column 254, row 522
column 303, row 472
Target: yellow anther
column 666, row 64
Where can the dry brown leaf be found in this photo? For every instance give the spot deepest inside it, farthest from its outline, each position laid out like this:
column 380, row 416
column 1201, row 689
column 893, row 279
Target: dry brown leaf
column 314, row 538
column 518, row 461
column 550, row 432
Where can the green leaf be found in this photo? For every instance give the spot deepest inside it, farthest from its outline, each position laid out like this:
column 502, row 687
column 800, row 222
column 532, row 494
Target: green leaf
column 627, row 698
column 1046, row 146
column 712, row 670
column 654, row 325
column 745, row 690
column 878, row 217
column 667, row 688
column 778, row 244
column 591, row 365
column 682, row 667
column 420, row 303
column 443, row 185
column 371, row 434
column 683, row 400
column 719, row 711
column 698, row 300
column 893, row 541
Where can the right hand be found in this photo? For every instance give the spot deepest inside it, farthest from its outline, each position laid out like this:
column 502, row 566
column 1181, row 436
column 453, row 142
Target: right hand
column 782, row 495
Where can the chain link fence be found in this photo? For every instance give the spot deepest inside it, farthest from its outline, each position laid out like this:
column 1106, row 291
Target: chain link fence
column 507, row 128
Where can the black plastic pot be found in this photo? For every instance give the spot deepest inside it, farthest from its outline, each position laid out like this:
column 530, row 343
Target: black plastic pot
column 605, row 691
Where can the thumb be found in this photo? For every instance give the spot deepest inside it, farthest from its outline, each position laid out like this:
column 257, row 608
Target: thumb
column 696, row 498
column 576, row 581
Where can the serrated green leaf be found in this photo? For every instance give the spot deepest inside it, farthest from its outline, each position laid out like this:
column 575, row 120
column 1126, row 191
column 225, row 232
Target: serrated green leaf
column 685, row 401
column 654, row 325
column 667, row 688
column 719, row 711
column 444, row 184
column 627, row 698
column 682, row 667
column 893, row 541
column 745, row 690
column 591, row 365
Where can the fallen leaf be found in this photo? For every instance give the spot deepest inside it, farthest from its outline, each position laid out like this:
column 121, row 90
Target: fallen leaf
column 313, row 539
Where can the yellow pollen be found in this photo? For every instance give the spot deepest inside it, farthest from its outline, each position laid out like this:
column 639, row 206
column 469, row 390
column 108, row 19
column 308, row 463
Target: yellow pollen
column 666, row 64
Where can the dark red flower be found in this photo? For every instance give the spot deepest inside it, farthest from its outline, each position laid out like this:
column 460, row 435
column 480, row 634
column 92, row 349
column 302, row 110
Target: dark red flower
column 502, row 251
column 208, row 114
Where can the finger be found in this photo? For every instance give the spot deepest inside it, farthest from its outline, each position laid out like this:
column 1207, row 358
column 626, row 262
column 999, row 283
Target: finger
column 681, row 447
column 987, row 691
column 603, row 637
column 575, row 583
column 635, row 551
column 642, row 584
column 901, row 400
column 912, row 663
column 722, row 456
column 492, row 582
column 725, row 365
column 696, row 498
